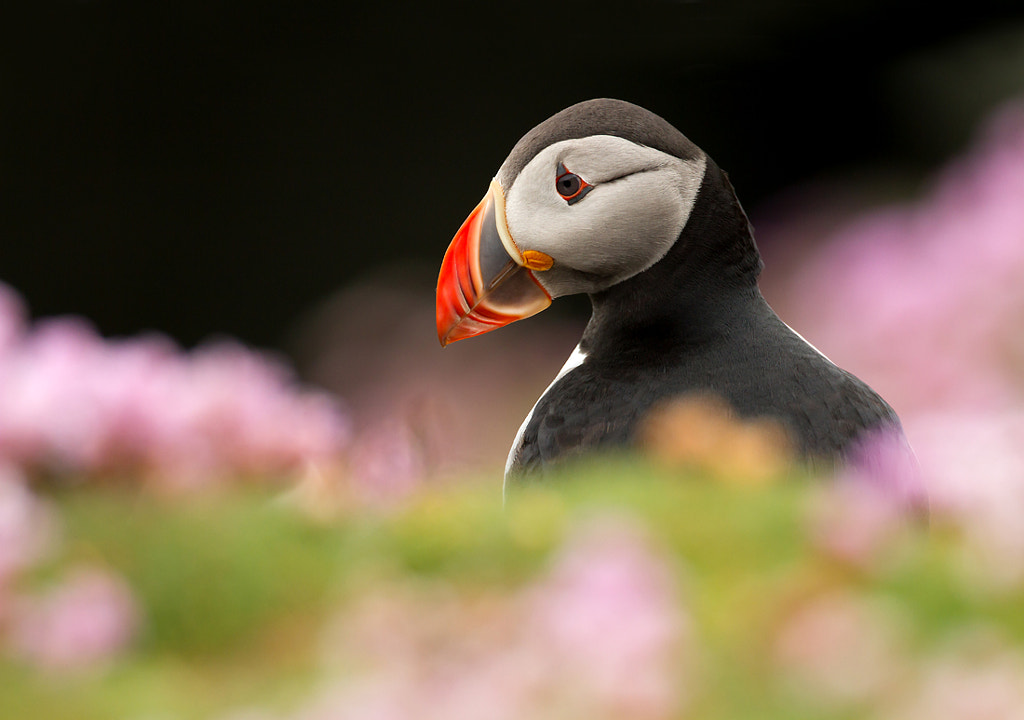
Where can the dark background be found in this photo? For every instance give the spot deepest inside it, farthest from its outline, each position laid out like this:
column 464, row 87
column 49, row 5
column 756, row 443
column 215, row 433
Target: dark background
column 220, row 168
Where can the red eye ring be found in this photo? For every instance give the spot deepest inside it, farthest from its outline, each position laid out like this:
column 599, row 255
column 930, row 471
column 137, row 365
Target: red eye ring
column 570, row 186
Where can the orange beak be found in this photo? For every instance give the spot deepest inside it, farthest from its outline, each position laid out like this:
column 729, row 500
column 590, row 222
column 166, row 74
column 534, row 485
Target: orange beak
column 486, row 282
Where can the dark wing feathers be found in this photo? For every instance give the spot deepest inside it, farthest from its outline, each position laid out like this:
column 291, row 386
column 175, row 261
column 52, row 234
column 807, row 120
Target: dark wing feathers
column 580, row 412
column 600, row 404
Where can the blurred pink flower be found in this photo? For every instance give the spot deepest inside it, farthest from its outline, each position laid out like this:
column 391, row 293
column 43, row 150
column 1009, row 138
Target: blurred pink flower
column 71, row 401
column 601, row 635
column 607, row 611
column 974, row 466
column 386, row 462
column 855, row 524
column 965, row 684
column 47, row 406
column 925, row 301
column 85, row 621
column 857, row 519
column 884, row 462
column 225, row 409
column 840, row 648
column 27, row 527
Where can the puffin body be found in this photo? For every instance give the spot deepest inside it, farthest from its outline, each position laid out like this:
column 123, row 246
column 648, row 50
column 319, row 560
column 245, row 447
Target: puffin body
column 609, row 199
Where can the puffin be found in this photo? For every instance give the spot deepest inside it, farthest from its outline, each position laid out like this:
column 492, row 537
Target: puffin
column 609, row 199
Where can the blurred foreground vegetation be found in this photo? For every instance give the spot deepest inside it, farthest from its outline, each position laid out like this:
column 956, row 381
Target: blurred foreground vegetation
column 789, row 599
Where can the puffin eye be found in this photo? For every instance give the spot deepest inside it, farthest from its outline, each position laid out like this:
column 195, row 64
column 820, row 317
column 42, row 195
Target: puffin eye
column 571, row 186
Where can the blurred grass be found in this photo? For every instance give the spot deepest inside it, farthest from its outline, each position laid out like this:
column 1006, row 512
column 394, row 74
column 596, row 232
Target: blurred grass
column 207, row 571
column 236, row 588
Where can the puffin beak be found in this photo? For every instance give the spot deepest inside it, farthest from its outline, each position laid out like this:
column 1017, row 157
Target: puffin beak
column 485, row 281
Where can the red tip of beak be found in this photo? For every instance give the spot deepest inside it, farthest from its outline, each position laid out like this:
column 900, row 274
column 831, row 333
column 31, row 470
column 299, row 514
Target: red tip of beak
column 469, row 304
column 457, row 290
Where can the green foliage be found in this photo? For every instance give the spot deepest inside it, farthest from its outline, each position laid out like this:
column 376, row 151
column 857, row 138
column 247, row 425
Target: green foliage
column 236, row 589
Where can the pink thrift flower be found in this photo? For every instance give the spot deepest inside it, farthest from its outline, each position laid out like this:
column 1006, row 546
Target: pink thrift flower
column 965, row 684
column 386, row 462
column 249, row 411
column 855, row 524
column 27, row 526
column 425, row 651
column 601, row 635
column 48, row 413
column 238, row 411
column 921, row 300
column 85, row 621
column 885, row 462
column 608, row 615
column 925, row 301
column 73, row 402
column 122, row 381
column 839, row 648
column 973, row 464
column 380, row 698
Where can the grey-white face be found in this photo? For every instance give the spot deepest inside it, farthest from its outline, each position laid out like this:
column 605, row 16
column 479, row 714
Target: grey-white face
column 640, row 201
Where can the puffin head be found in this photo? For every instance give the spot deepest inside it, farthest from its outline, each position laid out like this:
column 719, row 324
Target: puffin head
column 588, row 199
